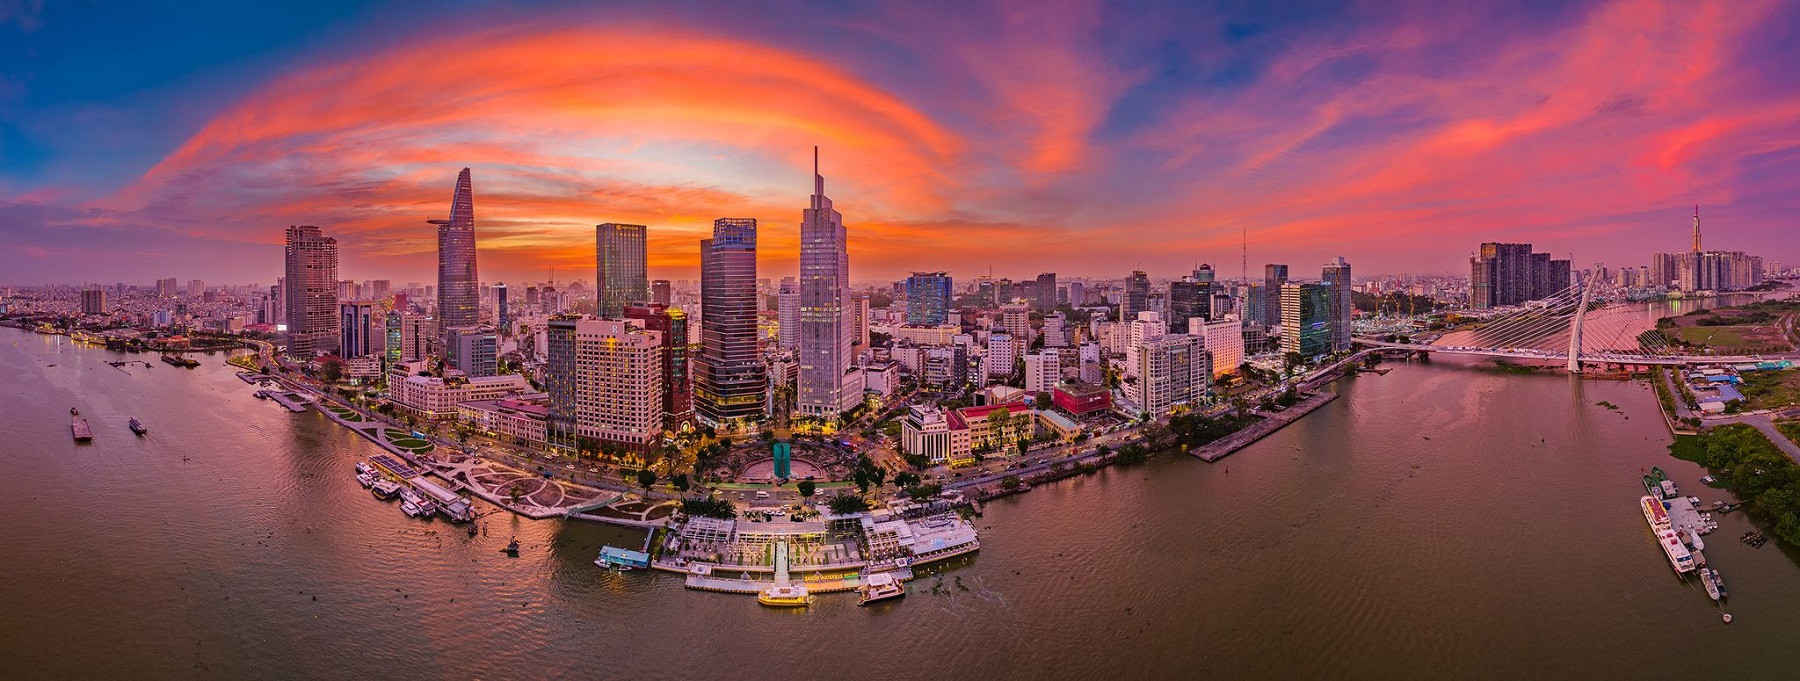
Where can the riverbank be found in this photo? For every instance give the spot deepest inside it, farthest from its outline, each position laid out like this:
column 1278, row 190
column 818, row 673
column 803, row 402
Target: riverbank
column 1225, row 446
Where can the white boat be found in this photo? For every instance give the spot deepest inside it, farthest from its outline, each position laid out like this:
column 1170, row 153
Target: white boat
column 385, row 489
column 421, row 506
column 880, row 586
column 410, row 508
column 364, row 467
column 1708, row 577
column 365, row 479
column 1658, row 517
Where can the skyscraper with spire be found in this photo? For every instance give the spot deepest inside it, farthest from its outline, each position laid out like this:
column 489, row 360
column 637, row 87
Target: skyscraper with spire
column 458, row 293
column 827, row 327
column 1697, row 247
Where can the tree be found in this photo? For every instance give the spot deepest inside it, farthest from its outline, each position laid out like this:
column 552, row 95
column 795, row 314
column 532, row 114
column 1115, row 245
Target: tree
column 861, row 478
column 923, row 492
column 331, row 369
column 905, row 479
column 1043, row 401
column 1023, row 446
column 844, row 504
column 646, row 478
column 807, row 488
column 679, row 481
column 1010, row 483
column 709, row 508
column 1291, row 361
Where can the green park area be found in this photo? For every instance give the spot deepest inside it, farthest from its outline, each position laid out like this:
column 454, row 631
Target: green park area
column 345, row 414
column 1770, row 389
column 1755, row 328
column 405, row 440
column 1753, row 469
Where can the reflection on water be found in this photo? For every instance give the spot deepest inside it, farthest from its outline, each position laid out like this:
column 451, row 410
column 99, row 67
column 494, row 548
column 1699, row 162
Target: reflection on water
column 1442, row 521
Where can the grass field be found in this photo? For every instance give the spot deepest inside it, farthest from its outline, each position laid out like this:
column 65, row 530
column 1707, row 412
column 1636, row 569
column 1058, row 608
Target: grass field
column 1749, row 339
column 1770, row 389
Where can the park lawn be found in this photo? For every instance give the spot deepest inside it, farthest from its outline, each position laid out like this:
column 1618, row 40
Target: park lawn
column 1770, row 389
column 1713, row 336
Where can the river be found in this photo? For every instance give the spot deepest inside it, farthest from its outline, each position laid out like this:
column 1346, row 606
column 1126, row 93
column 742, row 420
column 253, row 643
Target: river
column 1445, row 520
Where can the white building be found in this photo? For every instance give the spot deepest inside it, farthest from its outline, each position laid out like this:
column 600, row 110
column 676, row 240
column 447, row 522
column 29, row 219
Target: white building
column 1089, row 363
column 1148, row 325
column 618, row 382
column 1016, row 319
column 436, row 397
column 1056, row 333
column 1224, row 340
column 1171, row 370
column 787, row 305
column 1042, row 370
column 1002, row 353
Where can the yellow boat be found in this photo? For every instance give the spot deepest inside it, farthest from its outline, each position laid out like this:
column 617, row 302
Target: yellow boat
column 785, row 596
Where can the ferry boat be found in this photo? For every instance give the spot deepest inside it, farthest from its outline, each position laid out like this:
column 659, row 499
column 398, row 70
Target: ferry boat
column 1658, row 517
column 138, row 427
column 364, row 467
column 1709, row 577
column 880, row 586
column 785, row 596
column 365, row 479
column 410, row 508
column 385, row 489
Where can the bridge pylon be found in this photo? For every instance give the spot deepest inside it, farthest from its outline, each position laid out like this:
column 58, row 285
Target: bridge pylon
column 1587, row 293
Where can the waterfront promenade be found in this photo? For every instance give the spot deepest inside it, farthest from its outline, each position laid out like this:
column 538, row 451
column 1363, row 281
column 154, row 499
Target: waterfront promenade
column 1225, row 446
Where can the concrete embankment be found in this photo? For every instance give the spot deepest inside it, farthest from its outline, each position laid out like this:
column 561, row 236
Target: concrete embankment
column 1222, row 447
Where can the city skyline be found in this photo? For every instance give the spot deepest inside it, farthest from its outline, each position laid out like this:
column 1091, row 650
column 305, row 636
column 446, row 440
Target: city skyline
column 1085, row 143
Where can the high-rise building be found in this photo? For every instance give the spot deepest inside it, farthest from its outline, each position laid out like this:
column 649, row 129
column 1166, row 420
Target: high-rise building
column 729, row 377
column 396, row 337
column 827, row 328
column 1016, row 319
column 1077, row 294
column 1170, row 370
column 379, row 289
column 1137, row 296
column 311, row 288
column 1189, row 298
column 1042, row 370
column 472, row 350
column 196, row 288
column 165, row 288
column 93, row 301
column 1340, row 308
column 604, row 378
column 1204, row 274
column 928, row 298
column 1224, row 342
column 659, row 292
column 619, row 261
column 1003, row 291
column 458, row 293
column 502, row 309
column 1044, row 298
column 417, row 333
column 859, row 313
column 1274, row 277
column 1510, row 274
column 1305, row 314
column 356, row 328
column 671, row 326
column 787, row 314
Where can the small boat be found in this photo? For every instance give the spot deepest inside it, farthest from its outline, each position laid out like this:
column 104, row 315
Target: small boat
column 385, row 489
column 410, row 508
column 473, row 529
column 1719, row 581
column 1708, row 479
column 1712, row 587
column 138, row 427
column 364, row 467
column 785, row 596
column 72, row 411
column 512, row 548
column 880, row 586
column 365, row 479
column 79, row 428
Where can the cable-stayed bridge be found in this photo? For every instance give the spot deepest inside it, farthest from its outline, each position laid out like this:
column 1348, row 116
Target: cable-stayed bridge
column 1574, row 328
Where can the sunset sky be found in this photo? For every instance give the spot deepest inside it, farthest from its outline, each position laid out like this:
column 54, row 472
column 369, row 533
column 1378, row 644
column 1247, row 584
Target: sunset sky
column 1083, row 138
